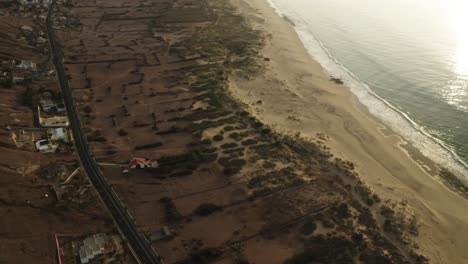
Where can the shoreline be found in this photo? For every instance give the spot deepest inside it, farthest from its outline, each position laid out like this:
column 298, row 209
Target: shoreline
column 295, row 94
column 456, row 164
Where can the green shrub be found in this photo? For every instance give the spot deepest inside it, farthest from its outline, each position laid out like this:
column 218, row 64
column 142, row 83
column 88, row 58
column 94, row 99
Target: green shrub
column 171, row 130
column 172, row 215
column 206, row 141
column 122, row 132
column 308, row 227
column 183, row 172
column 327, row 223
column 365, row 193
column 87, row 109
column 249, row 142
column 242, row 261
column 228, row 128
column 203, row 256
column 148, row 146
column 235, row 136
column 386, row 211
column 257, row 124
column 226, row 162
column 374, row 257
column 342, row 211
column 218, row 137
column 231, row 170
column 229, row 145
column 366, row 219
column 207, row 209
column 28, row 97
column 335, row 249
column 269, row 165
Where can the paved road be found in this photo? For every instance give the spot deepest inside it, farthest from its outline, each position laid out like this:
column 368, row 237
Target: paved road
column 141, row 248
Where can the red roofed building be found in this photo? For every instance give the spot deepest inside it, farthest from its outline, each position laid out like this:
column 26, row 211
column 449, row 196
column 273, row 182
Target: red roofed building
column 139, row 163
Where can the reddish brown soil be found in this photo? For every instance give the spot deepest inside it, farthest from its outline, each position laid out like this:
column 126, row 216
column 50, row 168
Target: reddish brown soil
column 29, row 219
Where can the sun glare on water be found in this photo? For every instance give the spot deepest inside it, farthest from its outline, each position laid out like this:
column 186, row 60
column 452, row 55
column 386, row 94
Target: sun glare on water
column 459, row 23
column 456, row 91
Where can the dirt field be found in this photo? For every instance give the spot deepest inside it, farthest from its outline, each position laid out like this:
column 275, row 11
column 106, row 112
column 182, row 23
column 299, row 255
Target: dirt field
column 30, row 212
column 151, row 81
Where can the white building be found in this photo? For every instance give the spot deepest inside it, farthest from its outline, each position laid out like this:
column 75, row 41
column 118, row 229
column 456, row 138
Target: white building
column 46, row 146
column 55, row 121
column 59, row 134
column 25, row 65
column 93, row 246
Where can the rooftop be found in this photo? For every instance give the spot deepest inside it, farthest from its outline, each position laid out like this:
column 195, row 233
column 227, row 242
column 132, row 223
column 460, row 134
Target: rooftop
column 92, row 247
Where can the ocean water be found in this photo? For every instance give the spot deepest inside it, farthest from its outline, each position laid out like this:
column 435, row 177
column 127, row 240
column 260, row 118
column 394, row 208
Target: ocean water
column 406, row 60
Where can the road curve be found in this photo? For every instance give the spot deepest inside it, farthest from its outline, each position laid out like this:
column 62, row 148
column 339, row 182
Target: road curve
column 140, row 246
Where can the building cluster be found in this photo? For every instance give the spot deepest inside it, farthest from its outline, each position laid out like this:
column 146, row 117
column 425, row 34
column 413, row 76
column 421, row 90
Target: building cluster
column 22, row 72
column 33, row 33
column 51, row 144
column 35, row 37
column 51, row 114
column 16, row 72
column 36, row 11
column 50, row 110
column 34, row 81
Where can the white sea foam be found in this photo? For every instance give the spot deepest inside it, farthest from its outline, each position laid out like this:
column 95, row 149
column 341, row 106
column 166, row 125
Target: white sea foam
column 398, row 121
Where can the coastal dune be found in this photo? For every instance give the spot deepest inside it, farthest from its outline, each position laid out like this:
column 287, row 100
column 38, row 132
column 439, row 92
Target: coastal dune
column 295, row 94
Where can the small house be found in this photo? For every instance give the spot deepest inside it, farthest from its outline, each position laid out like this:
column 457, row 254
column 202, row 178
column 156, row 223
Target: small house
column 47, row 103
column 46, row 146
column 25, row 65
column 58, row 134
column 94, row 246
column 27, row 28
column 41, row 40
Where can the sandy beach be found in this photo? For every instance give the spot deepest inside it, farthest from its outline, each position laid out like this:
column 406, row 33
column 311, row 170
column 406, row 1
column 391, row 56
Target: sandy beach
column 296, row 95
